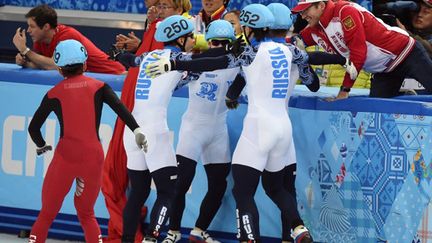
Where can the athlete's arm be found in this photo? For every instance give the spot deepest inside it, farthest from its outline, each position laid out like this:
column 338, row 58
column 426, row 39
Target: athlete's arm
column 164, row 65
column 38, row 120
column 315, row 85
column 214, row 63
column 128, row 59
column 201, row 64
column 306, row 73
column 236, row 87
column 118, row 107
column 212, row 52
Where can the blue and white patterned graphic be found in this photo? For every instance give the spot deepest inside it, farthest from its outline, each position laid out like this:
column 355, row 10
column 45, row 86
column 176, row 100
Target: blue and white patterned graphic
column 366, row 176
column 137, row 6
column 122, row 6
column 125, row 6
column 239, row 4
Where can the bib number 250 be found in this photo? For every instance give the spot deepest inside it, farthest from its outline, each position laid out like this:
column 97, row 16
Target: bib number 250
column 175, row 28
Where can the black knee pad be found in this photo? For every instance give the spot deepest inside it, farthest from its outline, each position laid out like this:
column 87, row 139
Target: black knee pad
column 186, row 172
column 165, row 179
column 140, row 182
column 289, row 179
column 273, row 182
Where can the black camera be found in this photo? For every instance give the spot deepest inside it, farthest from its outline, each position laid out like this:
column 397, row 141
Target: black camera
column 389, row 19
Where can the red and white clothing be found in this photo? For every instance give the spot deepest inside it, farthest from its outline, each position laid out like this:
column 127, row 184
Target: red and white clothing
column 355, row 33
column 97, row 60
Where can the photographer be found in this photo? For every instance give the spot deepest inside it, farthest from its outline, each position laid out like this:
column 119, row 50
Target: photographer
column 413, row 16
column 421, row 25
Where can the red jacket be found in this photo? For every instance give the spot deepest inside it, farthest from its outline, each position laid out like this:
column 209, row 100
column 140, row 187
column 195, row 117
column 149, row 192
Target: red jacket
column 97, row 61
column 355, row 33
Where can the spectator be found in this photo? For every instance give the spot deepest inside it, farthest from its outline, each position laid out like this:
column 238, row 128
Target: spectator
column 350, row 30
column 234, row 18
column 46, row 34
column 211, row 10
column 157, row 11
column 421, row 28
column 131, row 42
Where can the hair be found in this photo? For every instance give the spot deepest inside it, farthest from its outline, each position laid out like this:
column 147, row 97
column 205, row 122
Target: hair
column 43, row 14
column 235, row 12
column 260, row 33
column 185, row 5
column 317, row 3
column 278, row 32
column 72, row 70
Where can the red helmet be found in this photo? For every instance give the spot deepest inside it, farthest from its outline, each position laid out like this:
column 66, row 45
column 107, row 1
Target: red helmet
column 428, row 2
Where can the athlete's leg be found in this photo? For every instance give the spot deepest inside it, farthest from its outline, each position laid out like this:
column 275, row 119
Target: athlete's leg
column 186, row 172
column 246, row 180
column 217, row 183
column 84, row 203
column 56, row 185
column 140, row 189
column 289, row 179
column 273, row 185
column 165, row 180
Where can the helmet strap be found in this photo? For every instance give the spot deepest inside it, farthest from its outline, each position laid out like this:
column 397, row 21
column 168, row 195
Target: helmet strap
column 182, row 46
column 247, row 36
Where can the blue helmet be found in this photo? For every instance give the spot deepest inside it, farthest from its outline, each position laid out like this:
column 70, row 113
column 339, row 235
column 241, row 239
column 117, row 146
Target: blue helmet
column 220, row 29
column 282, row 16
column 69, row 52
column 172, row 28
column 256, row 16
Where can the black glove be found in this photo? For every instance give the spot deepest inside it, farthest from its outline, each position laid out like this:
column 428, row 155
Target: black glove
column 297, row 40
column 114, row 52
column 126, row 58
column 236, row 47
column 231, row 104
column 43, row 149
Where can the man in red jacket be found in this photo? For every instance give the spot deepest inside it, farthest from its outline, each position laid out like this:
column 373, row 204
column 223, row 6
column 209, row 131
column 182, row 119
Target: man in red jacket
column 353, row 32
column 46, row 34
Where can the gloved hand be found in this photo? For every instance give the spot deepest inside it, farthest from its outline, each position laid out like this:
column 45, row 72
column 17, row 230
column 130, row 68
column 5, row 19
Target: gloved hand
column 231, row 104
column 140, row 139
column 159, row 67
column 236, row 47
column 43, row 149
column 298, row 42
column 350, row 69
column 114, row 52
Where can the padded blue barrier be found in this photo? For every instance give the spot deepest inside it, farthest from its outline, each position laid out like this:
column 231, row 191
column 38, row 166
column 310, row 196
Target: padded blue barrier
column 364, row 165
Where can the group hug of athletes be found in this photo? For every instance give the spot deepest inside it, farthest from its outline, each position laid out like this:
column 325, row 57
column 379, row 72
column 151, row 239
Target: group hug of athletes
column 261, row 62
